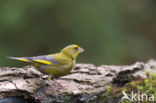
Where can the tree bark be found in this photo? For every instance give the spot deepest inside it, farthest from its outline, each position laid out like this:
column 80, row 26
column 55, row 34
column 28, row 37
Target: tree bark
column 85, row 83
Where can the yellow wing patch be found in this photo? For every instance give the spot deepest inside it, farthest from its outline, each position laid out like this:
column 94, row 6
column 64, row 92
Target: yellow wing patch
column 24, row 60
column 43, row 62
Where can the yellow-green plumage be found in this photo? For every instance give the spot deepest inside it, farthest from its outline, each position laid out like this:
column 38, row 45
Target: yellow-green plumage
column 58, row 64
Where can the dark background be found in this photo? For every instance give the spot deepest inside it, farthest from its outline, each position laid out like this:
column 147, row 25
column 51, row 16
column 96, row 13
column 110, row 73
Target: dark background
column 111, row 31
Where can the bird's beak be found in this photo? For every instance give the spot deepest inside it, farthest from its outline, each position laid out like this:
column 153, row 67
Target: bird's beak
column 80, row 50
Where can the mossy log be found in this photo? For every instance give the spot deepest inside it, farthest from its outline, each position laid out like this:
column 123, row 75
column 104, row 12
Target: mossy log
column 85, row 84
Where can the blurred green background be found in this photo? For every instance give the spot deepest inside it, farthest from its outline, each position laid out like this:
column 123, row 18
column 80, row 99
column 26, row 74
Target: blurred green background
column 110, row 31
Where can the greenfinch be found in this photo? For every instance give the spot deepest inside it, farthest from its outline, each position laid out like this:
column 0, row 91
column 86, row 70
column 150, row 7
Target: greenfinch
column 56, row 65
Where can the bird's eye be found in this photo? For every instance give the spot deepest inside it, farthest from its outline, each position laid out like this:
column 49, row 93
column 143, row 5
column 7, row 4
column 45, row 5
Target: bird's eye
column 76, row 48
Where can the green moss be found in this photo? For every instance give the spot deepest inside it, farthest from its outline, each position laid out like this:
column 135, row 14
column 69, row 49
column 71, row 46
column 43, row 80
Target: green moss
column 125, row 102
column 104, row 95
column 132, row 83
column 153, row 76
column 109, row 89
column 148, row 74
column 142, row 86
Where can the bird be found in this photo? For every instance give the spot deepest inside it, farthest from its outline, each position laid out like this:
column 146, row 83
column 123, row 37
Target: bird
column 55, row 65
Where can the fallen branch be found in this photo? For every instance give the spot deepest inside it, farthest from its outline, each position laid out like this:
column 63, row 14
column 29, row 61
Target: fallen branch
column 84, row 84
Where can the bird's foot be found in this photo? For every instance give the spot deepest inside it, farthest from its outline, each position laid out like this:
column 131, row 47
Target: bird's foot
column 54, row 90
column 58, row 84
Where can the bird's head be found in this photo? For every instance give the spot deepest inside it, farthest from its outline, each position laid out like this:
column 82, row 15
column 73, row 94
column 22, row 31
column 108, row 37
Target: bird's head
column 72, row 50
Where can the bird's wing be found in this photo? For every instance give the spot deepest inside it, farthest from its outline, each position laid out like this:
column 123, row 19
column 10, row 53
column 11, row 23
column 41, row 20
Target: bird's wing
column 44, row 59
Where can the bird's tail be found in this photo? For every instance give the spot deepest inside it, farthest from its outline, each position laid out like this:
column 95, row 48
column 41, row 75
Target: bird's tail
column 24, row 59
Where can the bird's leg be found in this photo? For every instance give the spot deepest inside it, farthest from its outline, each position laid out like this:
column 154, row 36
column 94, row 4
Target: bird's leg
column 52, row 87
column 56, row 82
